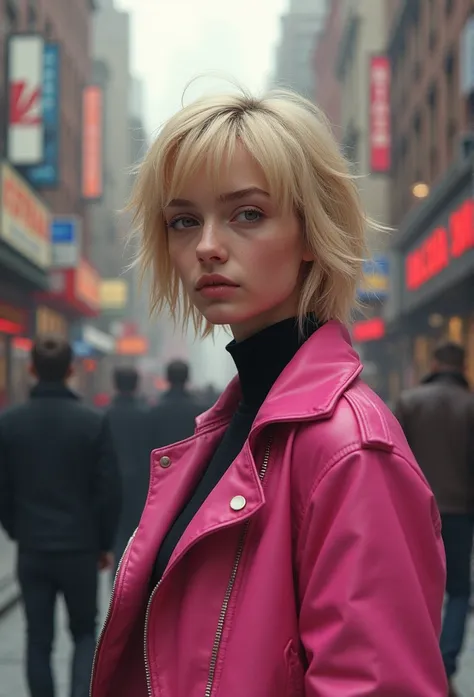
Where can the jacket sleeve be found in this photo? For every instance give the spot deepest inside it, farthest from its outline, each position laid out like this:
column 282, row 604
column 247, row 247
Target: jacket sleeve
column 371, row 581
column 108, row 489
column 7, row 513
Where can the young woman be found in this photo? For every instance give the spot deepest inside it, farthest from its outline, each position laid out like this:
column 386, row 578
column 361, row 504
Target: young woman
column 291, row 547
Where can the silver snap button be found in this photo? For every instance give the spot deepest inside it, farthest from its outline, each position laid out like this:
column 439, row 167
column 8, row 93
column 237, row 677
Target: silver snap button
column 238, row 503
column 165, row 461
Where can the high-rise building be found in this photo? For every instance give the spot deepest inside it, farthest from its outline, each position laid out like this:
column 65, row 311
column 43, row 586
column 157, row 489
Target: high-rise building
column 431, row 47
column 299, row 27
column 327, row 88
column 111, row 51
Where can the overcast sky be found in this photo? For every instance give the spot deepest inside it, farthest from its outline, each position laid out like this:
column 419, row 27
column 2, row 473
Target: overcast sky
column 173, row 41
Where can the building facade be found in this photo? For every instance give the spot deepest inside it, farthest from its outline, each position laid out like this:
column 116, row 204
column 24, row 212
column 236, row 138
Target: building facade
column 33, row 195
column 363, row 71
column 431, row 48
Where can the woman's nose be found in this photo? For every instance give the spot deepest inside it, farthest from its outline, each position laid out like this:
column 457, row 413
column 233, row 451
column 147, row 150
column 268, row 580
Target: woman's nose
column 211, row 245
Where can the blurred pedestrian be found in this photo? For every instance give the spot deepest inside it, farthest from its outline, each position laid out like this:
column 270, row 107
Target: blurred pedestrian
column 127, row 417
column 173, row 418
column 438, row 420
column 291, row 546
column 60, row 502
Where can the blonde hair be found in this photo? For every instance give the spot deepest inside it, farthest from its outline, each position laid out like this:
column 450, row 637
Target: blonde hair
column 292, row 141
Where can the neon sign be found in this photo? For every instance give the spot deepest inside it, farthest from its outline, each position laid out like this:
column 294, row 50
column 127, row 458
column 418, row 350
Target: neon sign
column 369, row 330
column 442, row 245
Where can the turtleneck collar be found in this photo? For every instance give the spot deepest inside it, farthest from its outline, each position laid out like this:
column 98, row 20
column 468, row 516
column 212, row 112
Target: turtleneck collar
column 261, row 358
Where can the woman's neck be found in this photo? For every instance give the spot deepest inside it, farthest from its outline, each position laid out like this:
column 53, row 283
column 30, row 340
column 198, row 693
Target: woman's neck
column 262, row 357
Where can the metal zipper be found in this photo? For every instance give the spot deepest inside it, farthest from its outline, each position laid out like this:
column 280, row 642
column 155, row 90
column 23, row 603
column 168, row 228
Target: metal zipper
column 225, row 603
column 230, row 587
column 109, row 611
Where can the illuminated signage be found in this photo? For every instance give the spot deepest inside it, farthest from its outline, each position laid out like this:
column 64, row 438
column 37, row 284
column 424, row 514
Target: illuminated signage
column 368, row 330
column 24, row 218
column 132, row 346
column 379, row 114
column 441, row 247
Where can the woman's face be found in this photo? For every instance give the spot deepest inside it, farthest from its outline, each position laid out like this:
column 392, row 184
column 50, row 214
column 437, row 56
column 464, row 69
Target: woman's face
column 238, row 256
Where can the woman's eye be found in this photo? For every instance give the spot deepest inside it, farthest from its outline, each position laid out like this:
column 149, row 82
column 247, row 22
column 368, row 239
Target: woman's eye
column 251, row 215
column 183, row 223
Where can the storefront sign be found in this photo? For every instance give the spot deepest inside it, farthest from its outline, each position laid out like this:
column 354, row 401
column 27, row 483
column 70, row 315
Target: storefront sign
column 379, row 114
column 375, row 282
column 66, row 241
column 25, row 219
column 25, row 126
column 13, row 320
column 46, row 174
column 76, row 290
column 87, row 285
column 368, row 330
column 443, row 245
column 98, row 340
column 113, row 294
column 132, row 346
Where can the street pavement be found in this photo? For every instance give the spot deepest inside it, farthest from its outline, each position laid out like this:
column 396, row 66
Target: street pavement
column 12, row 637
column 12, row 632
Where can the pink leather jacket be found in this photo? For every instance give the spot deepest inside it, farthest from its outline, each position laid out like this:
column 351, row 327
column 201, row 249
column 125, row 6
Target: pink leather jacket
column 315, row 567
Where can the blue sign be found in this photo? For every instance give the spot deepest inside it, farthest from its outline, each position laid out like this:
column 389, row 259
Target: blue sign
column 375, row 282
column 46, row 175
column 82, row 349
column 65, row 242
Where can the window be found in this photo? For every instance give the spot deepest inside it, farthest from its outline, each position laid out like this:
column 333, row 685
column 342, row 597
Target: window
column 48, row 30
column 11, row 17
column 452, row 103
column 433, row 131
column 31, row 16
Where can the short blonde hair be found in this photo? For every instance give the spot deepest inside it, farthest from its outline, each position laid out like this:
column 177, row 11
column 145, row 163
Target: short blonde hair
column 292, row 141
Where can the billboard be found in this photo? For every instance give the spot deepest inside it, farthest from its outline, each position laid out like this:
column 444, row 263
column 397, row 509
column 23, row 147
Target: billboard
column 379, row 114
column 92, row 142
column 25, row 125
column 25, row 219
column 66, row 241
column 46, row 174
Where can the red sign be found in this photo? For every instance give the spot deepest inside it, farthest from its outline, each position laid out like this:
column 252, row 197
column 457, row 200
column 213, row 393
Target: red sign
column 369, row 330
column 442, row 245
column 13, row 320
column 379, row 114
column 92, row 143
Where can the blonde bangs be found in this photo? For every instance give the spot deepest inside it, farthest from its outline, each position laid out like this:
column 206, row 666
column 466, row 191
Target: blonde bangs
column 305, row 171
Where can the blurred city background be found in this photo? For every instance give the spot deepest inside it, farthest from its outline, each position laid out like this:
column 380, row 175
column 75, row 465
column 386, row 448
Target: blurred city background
column 84, row 84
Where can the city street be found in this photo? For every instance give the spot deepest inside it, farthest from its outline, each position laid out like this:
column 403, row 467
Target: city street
column 12, row 635
column 11, row 657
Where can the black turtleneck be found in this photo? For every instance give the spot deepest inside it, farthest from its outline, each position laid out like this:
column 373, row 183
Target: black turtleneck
column 259, row 361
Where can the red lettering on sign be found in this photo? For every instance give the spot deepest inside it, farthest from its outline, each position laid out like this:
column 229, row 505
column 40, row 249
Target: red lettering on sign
column 442, row 246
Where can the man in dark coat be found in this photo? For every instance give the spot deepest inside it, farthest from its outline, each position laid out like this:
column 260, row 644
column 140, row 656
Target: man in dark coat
column 438, row 420
column 173, row 418
column 127, row 417
column 60, row 501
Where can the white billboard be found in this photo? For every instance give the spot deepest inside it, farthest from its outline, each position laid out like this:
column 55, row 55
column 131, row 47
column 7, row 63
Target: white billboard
column 25, row 127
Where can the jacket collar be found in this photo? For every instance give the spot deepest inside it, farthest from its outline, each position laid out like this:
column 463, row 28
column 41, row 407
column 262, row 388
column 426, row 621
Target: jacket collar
column 308, row 388
column 452, row 377
column 56, row 390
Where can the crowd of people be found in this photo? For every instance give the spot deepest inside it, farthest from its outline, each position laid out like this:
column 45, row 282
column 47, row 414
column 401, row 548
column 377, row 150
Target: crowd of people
column 291, row 540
